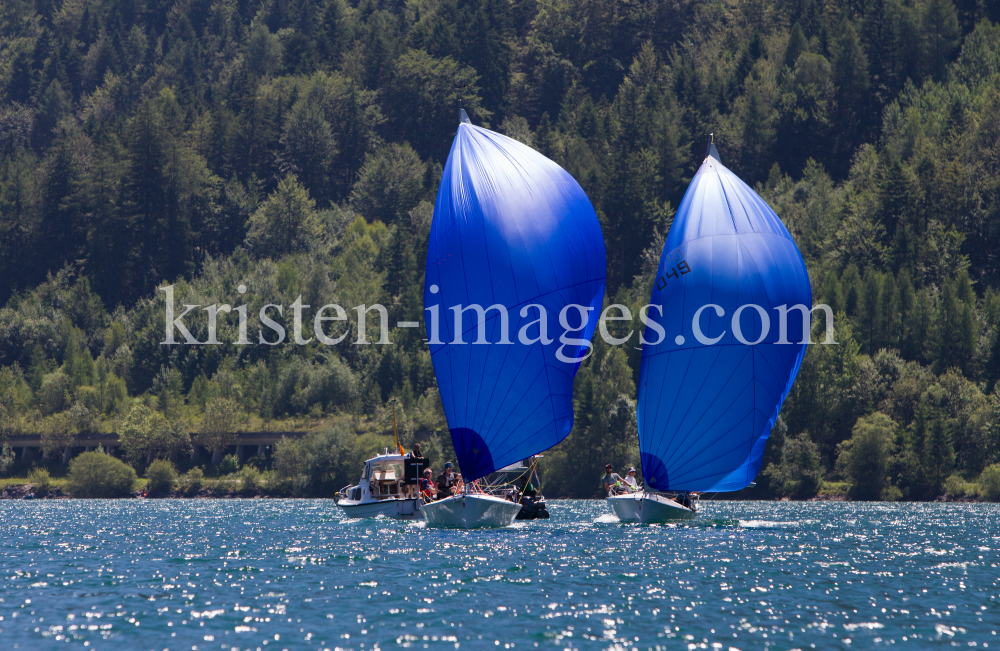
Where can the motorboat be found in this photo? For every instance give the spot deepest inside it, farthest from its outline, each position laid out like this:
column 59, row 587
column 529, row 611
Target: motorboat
column 533, row 507
column 384, row 490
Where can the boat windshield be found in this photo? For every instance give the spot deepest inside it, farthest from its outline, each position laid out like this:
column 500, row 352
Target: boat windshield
column 385, row 478
column 384, row 471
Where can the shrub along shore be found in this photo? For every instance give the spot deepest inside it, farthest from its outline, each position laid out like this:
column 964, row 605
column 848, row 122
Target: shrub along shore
column 324, row 461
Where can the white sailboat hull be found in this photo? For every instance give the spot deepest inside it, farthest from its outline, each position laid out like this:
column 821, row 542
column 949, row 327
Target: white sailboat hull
column 645, row 507
column 471, row 511
column 398, row 508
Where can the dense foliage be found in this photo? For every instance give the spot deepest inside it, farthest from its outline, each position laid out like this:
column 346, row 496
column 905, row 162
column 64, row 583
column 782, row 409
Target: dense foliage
column 293, row 146
column 95, row 474
column 161, row 476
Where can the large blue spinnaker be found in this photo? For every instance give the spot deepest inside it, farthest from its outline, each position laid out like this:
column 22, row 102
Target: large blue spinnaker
column 709, row 398
column 513, row 229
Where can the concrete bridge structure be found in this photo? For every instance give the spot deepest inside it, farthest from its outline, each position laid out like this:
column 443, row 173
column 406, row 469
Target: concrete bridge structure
column 27, row 447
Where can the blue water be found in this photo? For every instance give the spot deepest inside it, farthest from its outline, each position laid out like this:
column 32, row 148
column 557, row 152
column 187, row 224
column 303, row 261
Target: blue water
column 277, row 574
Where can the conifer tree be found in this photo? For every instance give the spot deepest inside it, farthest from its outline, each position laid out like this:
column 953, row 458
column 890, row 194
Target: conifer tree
column 939, row 454
column 850, row 76
column 285, row 223
column 918, row 329
column 901, row 317
column 833, row 294
column 758, row 135
column 887, row 314
column 880, row 35
column 868, row 311
column 941, row 34
column 797, row 44
column 545, row 139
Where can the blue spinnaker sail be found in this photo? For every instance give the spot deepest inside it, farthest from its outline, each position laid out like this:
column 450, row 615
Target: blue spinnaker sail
column 707, row 405
column 513, row 229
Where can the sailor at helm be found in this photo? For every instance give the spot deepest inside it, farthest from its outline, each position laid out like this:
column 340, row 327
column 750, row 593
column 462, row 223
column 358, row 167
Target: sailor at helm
column 612, row 481
column 448, row 483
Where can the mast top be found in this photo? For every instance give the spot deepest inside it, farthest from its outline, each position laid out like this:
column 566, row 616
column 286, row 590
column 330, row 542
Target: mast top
column 712, row 151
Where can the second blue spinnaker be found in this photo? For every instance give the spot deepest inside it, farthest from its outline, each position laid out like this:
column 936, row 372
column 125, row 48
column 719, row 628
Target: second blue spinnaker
column 710, row 390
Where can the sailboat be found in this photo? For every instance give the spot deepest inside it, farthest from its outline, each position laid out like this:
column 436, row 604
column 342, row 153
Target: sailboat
column 736, row 302
column 514, row 235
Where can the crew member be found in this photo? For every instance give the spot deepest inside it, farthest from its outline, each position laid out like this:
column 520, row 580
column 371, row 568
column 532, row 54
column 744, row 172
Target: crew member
column 448, row 483
column 528, row 489
column 630, row 479
column 415, row 454
column 426, row 487
column 612, row 480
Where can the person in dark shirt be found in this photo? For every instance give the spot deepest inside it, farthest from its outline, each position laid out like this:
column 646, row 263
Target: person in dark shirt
column 528, row 489
column 416, row 452
column 448, row 483
column 612, row 481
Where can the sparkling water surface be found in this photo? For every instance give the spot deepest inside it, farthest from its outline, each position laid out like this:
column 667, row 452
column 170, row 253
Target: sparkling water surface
column 296, row 574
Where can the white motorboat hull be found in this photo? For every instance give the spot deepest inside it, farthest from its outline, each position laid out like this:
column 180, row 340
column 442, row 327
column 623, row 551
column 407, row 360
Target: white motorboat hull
column 471, row 511
column 398, row 508
column 646, row 507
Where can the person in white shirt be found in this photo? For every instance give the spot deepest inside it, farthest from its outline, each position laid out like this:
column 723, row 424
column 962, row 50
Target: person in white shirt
column 630, row 479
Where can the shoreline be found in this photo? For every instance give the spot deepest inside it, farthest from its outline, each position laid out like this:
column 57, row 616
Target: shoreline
column 20, row 491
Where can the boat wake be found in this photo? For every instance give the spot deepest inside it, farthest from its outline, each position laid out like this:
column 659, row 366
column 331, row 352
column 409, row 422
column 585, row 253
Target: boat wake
column 765, row 524
column 607, row 518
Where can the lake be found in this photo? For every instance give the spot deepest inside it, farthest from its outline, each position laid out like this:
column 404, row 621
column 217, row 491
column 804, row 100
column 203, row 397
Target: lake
column 295, row 574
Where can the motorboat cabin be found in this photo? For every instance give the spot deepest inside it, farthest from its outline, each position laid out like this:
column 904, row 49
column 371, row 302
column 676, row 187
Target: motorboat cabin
column 388, row 487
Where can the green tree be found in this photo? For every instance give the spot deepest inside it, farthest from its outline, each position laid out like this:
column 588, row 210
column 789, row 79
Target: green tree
column 95, row 474
column 989, row 481
column 309, row 146
column 422, row 96
column 161, row 476
column 796, row 45
column 758, row 135
column 285, row 223
column 389, row 184
column 147, row 435
column 939, row 454
column 865, row 457
column 941, row 32
column 219, row 426
column 319, row 464
column 800, row 470
column 850, row 77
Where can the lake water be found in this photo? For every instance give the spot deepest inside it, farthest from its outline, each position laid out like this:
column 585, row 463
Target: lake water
column 295, row 574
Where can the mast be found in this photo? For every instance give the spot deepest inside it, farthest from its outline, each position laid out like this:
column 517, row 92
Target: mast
column 395, row 434
column 712, row 151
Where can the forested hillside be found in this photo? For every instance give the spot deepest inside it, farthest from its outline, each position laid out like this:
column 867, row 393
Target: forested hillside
column 295, row 146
